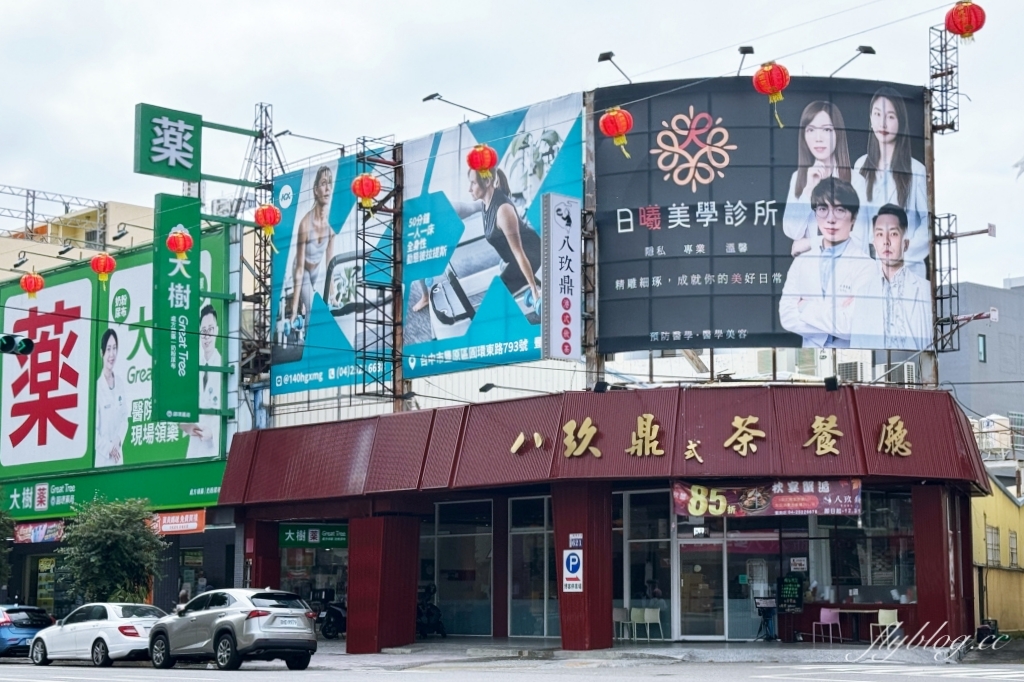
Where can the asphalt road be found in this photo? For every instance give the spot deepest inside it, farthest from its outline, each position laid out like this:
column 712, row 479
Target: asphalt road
column 342, row 668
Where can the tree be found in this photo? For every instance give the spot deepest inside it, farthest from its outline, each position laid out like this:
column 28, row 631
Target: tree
column 111, row 551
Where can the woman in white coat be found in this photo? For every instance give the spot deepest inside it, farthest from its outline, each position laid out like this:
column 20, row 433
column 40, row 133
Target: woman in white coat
column 822, row 152
column 111, row 407
column 888, row 174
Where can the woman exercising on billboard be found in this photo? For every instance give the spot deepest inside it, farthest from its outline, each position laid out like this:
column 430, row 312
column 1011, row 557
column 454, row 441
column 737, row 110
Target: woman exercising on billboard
column 314, row 245
column 517, row 244
column 822, row 152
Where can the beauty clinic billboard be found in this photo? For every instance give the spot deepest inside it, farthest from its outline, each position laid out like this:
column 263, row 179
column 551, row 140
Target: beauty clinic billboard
column 723, row 229
column 473, row 250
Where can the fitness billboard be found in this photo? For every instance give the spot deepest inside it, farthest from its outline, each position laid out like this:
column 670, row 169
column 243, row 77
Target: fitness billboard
column 472, row 244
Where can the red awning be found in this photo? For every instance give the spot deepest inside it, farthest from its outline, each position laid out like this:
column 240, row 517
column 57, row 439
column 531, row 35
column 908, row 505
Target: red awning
column 876, row 432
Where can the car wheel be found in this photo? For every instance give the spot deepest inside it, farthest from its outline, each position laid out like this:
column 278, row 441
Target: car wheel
column 329, row 630
column 100, row 654
column 298, row 662
column 160, row 652
column 39, row 653
column 227, row 654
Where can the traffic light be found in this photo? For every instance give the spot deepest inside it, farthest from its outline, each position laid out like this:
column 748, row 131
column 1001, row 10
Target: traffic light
column 17, row 345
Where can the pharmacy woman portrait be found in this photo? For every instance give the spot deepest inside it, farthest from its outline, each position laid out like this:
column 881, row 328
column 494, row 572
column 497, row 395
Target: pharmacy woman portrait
column 111, row 406
column 822, row 152
column 888, row 174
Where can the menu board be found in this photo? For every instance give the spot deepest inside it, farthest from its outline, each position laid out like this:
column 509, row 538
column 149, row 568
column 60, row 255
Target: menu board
column 791, row 594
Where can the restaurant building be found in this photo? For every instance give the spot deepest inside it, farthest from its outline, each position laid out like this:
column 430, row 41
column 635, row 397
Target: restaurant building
column 543, row 517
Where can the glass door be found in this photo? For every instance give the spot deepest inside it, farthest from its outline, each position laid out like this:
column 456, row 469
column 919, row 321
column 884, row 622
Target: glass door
column 701, row 589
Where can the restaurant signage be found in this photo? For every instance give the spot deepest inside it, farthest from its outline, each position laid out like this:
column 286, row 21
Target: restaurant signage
column 778, row 498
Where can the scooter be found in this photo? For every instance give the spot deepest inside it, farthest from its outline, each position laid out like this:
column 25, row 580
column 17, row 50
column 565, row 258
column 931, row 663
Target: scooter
column 428, row 615
column 335, row 619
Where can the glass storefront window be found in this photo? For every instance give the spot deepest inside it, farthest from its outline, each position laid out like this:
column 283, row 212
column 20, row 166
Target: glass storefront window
column 650, row 573
column 464, row 583
column 649, row 516
column 319, row 576
column 464, row 518
column 533, row 598
column 528, row 513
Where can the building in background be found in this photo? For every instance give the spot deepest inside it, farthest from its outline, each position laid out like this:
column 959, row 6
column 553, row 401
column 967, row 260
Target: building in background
column 998, row 522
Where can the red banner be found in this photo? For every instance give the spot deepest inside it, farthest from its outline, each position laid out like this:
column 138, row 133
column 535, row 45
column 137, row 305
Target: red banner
column 43, row 531
column 180, row 522
column 777, row 498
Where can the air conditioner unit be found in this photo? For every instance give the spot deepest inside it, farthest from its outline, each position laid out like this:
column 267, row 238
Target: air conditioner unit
column 903, row 374
column 851, row 372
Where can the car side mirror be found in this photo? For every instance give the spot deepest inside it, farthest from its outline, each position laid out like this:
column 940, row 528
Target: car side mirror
column 182, row 613
column 60, row 622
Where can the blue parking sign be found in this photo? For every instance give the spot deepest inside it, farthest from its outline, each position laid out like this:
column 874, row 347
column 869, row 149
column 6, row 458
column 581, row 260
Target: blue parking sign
column 572, row 570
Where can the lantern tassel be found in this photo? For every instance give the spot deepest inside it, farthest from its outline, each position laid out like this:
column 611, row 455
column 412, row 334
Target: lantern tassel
column 484, row 173
column 620, row 142
column 777, row 119
column 366, row 202
column 31, row 295
column 103, row 277
column 181, row 256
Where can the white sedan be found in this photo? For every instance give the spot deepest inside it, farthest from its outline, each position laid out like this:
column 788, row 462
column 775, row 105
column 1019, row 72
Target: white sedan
column 102, row 633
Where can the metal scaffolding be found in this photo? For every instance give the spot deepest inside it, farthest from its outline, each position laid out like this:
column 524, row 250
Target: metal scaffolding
column 378, row 279
column 944, row 68
column 947, row 296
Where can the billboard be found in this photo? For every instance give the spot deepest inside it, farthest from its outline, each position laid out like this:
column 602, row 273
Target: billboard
column 472, row 246
column 314, row 277
column 84, row 399
column 723, row 229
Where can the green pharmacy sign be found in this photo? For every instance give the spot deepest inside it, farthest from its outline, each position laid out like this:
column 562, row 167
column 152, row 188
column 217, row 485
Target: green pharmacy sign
column 313, row 535
column 168, row 143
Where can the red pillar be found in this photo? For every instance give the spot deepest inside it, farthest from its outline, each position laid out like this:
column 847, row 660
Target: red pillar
column 261, row 548
column 934, row 555
column 383, row 569
column 585, row 507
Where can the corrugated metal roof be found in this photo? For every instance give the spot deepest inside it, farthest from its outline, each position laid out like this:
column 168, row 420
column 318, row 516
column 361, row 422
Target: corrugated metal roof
column 470, row 447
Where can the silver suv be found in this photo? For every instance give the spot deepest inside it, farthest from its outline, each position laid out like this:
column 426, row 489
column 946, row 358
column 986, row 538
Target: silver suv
column 229, row 626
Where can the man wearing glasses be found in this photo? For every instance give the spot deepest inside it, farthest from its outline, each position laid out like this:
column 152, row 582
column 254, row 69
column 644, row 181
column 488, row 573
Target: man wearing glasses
column 204, row 436
column 818, row 297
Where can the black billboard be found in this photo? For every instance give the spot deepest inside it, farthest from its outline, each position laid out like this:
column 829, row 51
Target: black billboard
column 722, row 229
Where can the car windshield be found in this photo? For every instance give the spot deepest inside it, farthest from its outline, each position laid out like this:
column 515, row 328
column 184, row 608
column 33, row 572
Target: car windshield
column 139, row 611
column 280, row 600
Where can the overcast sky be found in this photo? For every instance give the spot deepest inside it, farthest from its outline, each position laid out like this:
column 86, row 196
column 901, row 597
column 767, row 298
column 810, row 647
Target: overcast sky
column 335, row 69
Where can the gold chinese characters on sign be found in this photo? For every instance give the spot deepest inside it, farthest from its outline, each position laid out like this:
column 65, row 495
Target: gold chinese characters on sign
column 645, row 438
column 742, row 439
column 691, row 451
column 824, row 435
column 517, row 444
column 893, row 439
column 576, row 441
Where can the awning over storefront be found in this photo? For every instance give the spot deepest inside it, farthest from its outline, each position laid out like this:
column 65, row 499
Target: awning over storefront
column 693, row 433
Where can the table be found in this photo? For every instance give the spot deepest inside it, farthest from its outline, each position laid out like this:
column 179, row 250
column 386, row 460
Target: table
column 856, row 621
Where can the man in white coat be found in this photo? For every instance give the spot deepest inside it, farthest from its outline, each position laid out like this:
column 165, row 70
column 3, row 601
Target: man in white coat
column 895, row 311
column 204, row 436
column 818, row 297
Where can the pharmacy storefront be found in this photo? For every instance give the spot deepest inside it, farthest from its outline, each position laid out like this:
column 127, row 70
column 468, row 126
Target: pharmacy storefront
column 705, row 513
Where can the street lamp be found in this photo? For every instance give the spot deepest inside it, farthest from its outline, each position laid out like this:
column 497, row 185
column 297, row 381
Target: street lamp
column 437, row 96
column 607, row 57
column 863, row 49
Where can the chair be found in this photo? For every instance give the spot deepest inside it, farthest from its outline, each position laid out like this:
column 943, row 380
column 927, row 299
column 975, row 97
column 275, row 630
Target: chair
column 620, row 619
column 636, row 617
column 888, row 620
column 653, row 617
column 828, row 617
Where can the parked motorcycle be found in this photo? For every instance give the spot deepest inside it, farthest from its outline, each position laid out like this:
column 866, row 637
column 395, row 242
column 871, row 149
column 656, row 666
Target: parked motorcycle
column 335, row 619
column 428, row 615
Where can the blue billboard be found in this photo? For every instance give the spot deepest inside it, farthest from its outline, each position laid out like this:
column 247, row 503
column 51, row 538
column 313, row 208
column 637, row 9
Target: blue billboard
column 313, row 286
column 472, row 246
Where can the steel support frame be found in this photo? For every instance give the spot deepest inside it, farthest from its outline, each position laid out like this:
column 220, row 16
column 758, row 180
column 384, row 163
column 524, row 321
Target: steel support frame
column 944, row 71
column 947, row 287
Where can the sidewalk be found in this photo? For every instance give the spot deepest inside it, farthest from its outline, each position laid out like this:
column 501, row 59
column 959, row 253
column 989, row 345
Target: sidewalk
column 484, row 649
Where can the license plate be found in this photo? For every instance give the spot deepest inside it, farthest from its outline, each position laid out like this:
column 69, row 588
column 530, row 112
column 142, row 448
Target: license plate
column 288, row 622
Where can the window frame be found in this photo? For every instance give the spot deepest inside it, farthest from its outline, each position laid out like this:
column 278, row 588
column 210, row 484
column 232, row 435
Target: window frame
column 1013, row 549
column 982, row 348
column 993, row 554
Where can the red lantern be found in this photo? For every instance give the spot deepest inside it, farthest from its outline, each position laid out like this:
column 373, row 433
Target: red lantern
column 482, row 158
column 965, row 19
column 32, row 283
column 267, row 217
column 771, row 79
column 616, row 124
column 179, row 242
column 103, row 264
column 366, row 188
